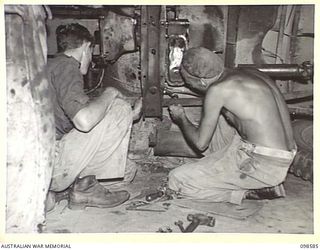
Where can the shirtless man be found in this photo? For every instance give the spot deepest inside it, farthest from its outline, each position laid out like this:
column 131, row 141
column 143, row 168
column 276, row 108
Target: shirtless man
column 245, row 133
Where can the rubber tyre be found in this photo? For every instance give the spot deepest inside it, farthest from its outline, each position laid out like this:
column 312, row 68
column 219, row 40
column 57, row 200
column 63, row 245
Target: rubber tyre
column 302, row 165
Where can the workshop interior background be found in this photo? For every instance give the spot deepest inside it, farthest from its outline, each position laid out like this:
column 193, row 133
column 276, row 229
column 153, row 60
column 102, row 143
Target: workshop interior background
column 138, row 50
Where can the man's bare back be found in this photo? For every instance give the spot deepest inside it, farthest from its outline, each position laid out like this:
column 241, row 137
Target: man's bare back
column 249, row 105
column 249, row 100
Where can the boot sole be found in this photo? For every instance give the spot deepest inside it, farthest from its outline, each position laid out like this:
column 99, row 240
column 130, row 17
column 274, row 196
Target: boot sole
column 82, row 206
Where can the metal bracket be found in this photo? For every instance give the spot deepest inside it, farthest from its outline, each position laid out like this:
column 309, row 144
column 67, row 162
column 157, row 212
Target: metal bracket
column 151, row 34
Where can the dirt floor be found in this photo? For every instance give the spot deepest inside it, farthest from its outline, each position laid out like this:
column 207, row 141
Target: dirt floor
column 291, row 215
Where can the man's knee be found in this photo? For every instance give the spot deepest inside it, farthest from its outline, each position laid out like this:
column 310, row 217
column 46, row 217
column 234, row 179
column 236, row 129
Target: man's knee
column 119, row 114
column 122, row 105
column 175, row 178
column 60, row 183
column 277, row 180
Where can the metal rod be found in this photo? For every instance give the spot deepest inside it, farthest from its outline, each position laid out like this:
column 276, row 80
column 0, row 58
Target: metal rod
column 186, row 102
column 287, row 71
column 196, row 102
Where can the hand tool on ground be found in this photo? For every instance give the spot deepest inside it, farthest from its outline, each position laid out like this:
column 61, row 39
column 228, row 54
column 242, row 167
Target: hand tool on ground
column 179, row 223
column 153, row 196
column 143, row 206
column 196, row 220
column 163, row 193
column 165, row 230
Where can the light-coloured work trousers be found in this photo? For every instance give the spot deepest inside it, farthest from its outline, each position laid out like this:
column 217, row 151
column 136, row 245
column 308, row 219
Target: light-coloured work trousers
column 230, row 168
column 101, row 152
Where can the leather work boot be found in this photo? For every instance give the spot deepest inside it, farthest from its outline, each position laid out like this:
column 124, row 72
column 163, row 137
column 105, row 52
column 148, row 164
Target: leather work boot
column 55, row 197
column 88, row 192
column 266, row 193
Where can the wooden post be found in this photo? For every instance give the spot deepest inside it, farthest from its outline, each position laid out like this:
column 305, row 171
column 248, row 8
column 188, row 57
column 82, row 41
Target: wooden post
column 30, row 121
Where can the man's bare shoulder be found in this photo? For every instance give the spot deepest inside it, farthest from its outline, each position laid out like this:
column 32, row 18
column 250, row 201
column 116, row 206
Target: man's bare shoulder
column 235, row 76
column 217, row 93
column 241, row 80
column 228, row 83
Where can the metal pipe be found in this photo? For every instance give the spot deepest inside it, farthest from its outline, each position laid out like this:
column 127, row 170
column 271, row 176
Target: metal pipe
column 186, row 102
column 196, row 102
column 283, row 71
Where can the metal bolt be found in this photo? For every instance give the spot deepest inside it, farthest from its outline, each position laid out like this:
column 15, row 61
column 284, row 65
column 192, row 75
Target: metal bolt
column 153, row 90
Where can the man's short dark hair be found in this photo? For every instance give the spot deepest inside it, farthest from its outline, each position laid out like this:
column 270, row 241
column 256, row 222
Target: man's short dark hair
column 72, row 36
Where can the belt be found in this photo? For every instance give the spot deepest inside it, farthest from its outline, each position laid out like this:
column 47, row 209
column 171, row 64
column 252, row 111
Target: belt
column 273, row 152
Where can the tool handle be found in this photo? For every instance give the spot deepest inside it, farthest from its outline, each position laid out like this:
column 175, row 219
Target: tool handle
column 153, row 196
column 192, row 226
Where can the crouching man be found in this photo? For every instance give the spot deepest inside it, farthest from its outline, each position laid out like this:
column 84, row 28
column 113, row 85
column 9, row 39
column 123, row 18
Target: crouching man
column 92, row 135
column 245, row 133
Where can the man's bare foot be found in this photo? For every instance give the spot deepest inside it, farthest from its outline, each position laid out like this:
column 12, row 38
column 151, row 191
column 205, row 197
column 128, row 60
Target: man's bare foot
column 137, row 109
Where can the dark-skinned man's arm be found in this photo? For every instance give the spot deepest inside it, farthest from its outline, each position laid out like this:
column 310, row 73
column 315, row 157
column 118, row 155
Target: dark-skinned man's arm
column 200, row 136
